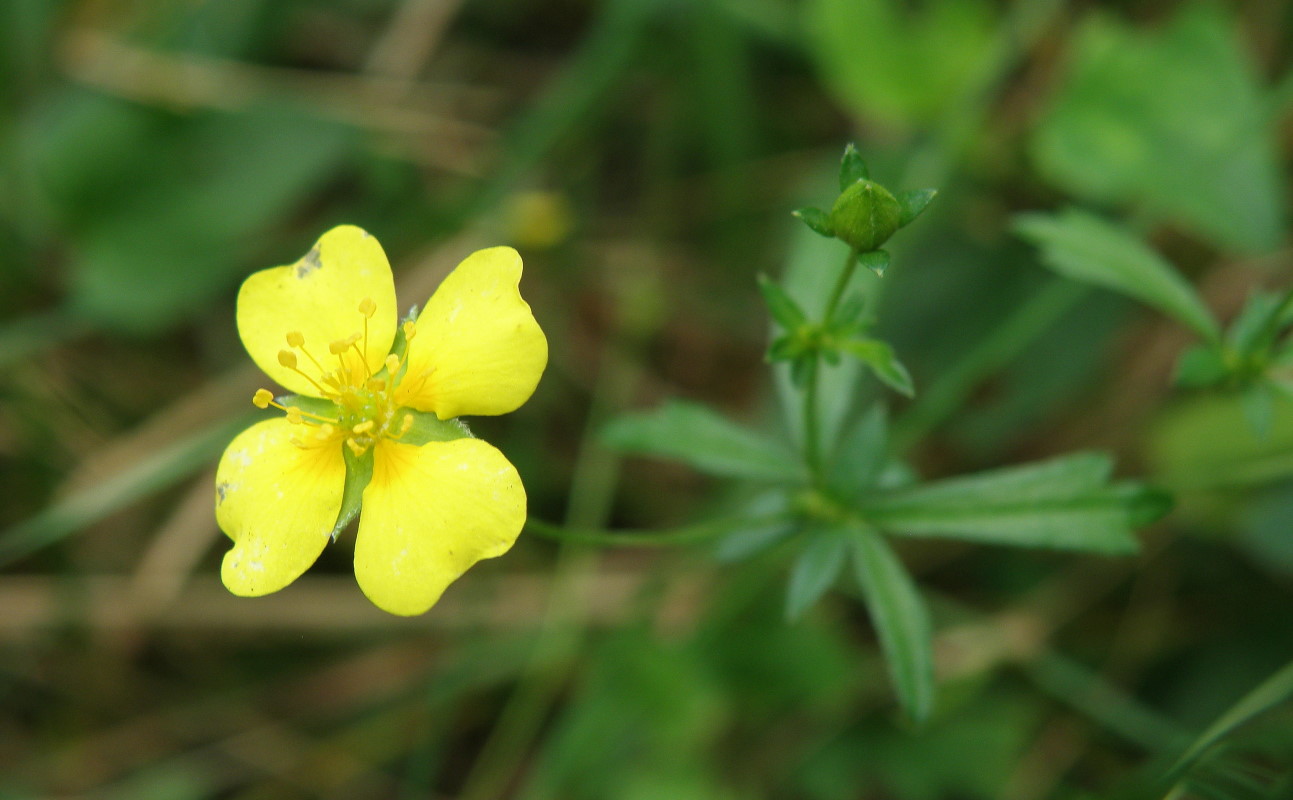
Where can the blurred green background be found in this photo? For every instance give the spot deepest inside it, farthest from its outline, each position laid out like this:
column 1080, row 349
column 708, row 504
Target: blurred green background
column 644, row 156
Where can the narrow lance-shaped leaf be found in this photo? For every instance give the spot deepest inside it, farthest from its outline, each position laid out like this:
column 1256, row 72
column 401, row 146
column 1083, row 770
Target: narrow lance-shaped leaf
column 1083, row 247
column 1065, row 503
column 1275, row 690
column 852, row 167
column 879, row 356
column 900, row 618
column 781, row 305
column 816, row 568
column 698, row 436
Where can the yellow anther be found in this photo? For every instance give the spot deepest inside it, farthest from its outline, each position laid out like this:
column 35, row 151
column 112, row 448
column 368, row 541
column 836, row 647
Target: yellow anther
column 262, row 398
column 364, row 427
column 338, row 347
column 407, row 424
column 356, row 448
column 295, row 339
column 410, row 330
column 392, row 364
column 376, row 385
column 287, row 358
column 294, row 414
column 325, row 432
column 367, row 307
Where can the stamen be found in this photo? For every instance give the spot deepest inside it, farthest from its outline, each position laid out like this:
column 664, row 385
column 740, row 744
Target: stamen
column 364, row 427
column 295, row 339
column 366, row 307
column 376, row 385
column 355, row 447
column 410, row 330
column 392, row 365
column 262, row 398
column 287, row 358
column 294, row 415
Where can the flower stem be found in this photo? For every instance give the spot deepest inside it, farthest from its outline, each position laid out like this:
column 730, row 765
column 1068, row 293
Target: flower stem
column 812, row 436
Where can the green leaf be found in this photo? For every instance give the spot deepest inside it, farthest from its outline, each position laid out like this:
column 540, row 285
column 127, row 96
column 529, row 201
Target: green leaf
column 816, row 568
column 1084, row 247
column 900, row 619
column 879, row 356
column 359, row 471
column 1065, row 503
column 1127, row 127
column 769, row 523
column 1201, row 365
column 783, row 308
column 816, row 219
column 1275, row 690
column 913, row 203
column 875, row 260
column 1256, row 327
column 1258, row 400
column 698, row 436
column 904, row 64
column 852, row 167
column 860, row 456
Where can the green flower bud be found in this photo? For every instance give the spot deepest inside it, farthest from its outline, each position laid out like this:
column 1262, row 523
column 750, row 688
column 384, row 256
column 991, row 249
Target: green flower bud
column 865, row 215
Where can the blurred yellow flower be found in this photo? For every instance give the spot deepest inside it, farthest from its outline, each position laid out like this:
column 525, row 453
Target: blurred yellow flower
column 370, row 397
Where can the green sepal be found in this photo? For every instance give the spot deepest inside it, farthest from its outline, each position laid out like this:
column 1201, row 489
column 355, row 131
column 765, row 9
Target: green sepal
column 876, row 260
column 816, row 219
column 852, row 167
column 816, row 568
column 781, row 305
column 400, row 344
column 430, row 428
column 879, row 356
column 913, row 203
column 359, row 471
column 316, row 406
column 1201, row 365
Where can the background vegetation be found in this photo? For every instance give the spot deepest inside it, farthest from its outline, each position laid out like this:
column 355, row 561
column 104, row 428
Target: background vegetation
column 644, row 155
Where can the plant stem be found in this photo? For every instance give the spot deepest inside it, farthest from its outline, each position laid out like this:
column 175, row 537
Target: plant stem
column 812, row 443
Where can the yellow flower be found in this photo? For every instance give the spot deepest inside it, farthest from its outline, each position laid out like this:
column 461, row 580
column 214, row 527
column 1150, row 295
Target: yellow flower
column 372, row 418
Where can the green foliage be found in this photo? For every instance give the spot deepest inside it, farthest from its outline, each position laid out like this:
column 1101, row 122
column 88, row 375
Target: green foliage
column 901, row 64
column 161, row 211
column 816, row 568
column 900, row 619
column 700, row 437
column 1066, row 503
column 1171, row 121
column 1086, row 248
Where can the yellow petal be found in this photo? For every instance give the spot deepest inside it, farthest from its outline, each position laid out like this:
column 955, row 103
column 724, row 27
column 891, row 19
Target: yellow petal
column 478, row 349
column 319, row 296
column 430, row 512
column 278, row 503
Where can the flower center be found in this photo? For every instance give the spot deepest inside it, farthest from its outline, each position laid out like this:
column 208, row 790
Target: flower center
column 364, row 409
